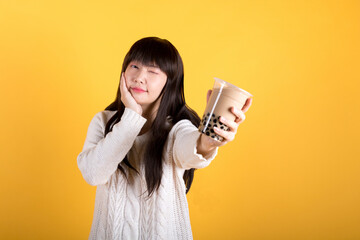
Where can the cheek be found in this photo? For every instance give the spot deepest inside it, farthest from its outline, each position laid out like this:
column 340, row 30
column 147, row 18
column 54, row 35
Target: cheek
column 160, row 86
column 162, row 82
column 156, row 90
column 128, row 73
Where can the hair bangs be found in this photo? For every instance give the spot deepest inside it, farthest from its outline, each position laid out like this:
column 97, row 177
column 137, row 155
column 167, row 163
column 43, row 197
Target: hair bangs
column 154, row 52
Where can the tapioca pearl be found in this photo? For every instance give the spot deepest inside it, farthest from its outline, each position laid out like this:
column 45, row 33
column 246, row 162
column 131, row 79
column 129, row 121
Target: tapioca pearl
column 212, row 130
column 222, row 127
column 215, row 125
column 213, row 115
column 215, row 120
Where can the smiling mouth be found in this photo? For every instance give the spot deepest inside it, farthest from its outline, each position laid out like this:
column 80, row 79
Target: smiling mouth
column 138, row 90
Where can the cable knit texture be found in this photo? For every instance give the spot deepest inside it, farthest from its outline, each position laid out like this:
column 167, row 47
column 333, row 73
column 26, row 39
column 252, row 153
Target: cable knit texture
column 123, row 209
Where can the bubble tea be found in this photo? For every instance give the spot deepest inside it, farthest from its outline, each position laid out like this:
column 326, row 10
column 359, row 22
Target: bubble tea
column 224, row 96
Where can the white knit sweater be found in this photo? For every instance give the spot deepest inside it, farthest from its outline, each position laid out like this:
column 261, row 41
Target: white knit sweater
column 122, row 207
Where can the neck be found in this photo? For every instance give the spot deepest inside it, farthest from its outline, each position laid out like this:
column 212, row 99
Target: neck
column 149, row 112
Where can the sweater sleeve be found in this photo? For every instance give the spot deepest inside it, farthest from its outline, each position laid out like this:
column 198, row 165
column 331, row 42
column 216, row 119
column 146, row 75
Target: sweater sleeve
column 100, row 156
column 185, row 146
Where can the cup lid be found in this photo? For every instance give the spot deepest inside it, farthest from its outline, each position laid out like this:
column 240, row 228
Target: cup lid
column 222, row 82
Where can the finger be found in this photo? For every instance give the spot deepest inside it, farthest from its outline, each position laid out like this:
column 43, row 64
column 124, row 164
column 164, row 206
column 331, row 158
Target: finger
column 208, row 95
column 123, row 87
column 242, row 117
column 121, row 83
column 247, row 105
column 231, row 124
column 239, row 115
column 228, row 136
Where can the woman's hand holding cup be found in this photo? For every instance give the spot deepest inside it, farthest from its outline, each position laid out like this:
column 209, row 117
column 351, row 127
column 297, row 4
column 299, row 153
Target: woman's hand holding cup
column 224, row 112
column 227, row 135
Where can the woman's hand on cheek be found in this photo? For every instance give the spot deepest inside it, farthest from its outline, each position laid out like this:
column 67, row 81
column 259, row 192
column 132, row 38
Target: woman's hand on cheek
column 126, row 97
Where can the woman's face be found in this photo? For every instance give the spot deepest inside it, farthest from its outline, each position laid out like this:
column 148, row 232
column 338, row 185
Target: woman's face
column 144, row 82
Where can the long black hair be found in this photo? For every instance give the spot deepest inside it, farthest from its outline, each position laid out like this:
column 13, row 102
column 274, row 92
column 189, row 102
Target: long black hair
column 162, row 53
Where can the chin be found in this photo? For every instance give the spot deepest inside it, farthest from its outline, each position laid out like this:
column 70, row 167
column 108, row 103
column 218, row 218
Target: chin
column 141, row 102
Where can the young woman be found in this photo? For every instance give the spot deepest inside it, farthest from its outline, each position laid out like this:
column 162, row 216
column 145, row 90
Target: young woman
column 141, row 151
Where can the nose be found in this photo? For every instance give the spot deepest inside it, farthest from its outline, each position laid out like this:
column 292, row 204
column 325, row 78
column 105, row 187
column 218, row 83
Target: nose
column 140, row 77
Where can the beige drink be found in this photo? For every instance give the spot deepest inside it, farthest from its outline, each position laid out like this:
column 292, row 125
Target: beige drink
column 224, row 96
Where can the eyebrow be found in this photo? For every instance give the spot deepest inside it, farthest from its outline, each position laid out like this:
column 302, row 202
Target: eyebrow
column 146, row 65
column 152, row 65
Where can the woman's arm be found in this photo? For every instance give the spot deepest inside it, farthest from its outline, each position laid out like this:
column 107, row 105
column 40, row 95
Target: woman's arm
column 195, row 150
column 186, row 149
column 100, row 156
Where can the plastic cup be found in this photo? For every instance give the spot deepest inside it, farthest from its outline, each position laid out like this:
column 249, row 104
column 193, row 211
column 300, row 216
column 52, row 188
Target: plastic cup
column 224, row 96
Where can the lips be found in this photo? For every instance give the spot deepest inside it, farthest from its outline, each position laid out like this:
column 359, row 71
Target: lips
column 138, row 90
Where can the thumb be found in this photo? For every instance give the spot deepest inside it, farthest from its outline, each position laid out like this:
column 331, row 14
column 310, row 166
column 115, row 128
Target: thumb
column 208, row 95
column 123, row 87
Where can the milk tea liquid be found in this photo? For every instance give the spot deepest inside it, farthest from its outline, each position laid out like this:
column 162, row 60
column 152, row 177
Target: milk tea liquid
column 220, row 102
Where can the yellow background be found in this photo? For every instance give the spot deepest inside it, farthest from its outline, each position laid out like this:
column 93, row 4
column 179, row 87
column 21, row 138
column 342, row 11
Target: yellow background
column 293, row 171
